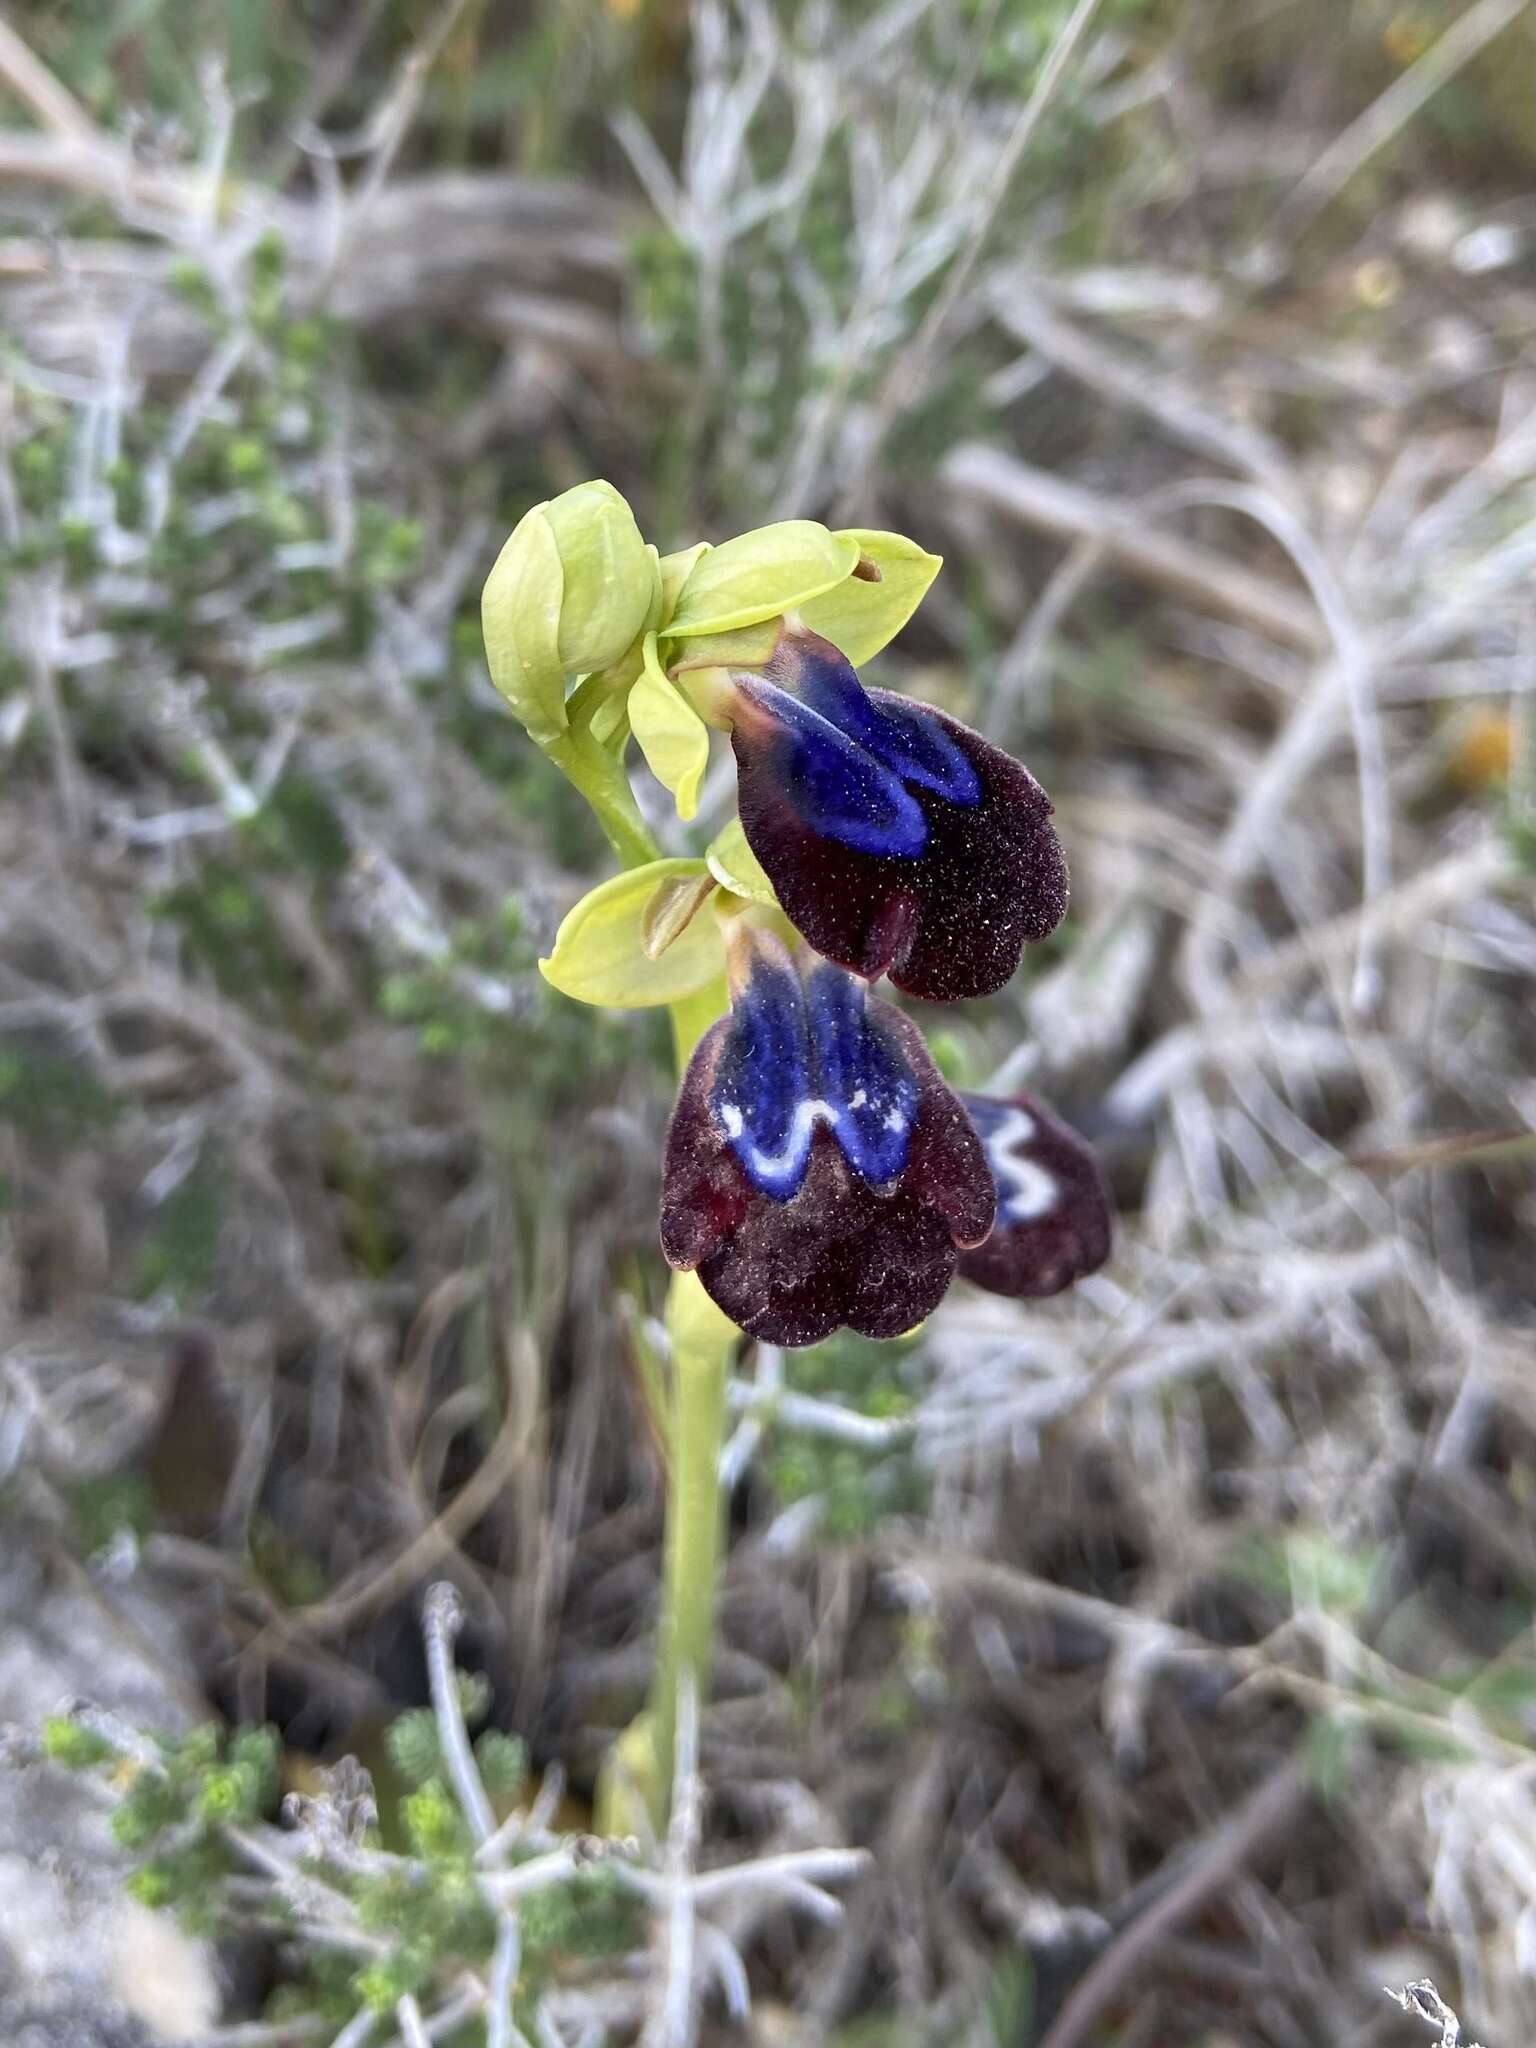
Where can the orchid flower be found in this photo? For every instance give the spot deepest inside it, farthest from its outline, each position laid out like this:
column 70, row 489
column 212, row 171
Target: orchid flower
column 818, row 1170
column 897, row 840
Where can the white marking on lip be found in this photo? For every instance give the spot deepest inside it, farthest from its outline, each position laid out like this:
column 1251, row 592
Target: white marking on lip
column 783, row 1163
column 1026, row 1191
column 779, row 1165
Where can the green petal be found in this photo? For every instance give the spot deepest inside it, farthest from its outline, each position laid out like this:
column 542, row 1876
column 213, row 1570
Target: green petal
column 520, row 616
column 600, row 955
column 607, row 720
column 608, row 717
column 760, row 574
column 675, row 571
column 861, row 617
column 673, row 737
column 736, row 867
column 611, row 576
column 743, row 647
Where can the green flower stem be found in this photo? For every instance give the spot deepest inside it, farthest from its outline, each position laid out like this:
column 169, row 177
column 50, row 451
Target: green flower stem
column 703, row 1340
column 702, row 1345
column 600, row 777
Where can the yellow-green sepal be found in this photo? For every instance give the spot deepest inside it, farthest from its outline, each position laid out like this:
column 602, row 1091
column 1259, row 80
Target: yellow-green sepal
column 603, row 951
column 736, row 867
column 862, row 616
column 612, row 579
column 675, row 570
column 673, row 737
column 760, row 574
column 520, row 617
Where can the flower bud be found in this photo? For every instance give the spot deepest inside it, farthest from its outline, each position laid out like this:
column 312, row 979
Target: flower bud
column 571, row 592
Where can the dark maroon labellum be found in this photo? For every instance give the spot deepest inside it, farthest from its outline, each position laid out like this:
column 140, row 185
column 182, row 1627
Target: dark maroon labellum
column 818, row 1169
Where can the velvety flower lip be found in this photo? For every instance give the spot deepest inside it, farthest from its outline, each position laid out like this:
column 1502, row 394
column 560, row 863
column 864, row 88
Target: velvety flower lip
column 897, row 840
column 1054, row 1217
column 818, row 1169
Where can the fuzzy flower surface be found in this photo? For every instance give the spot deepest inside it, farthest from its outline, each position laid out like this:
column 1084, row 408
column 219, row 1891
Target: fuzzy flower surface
column 818, row 1169
column 897, row 840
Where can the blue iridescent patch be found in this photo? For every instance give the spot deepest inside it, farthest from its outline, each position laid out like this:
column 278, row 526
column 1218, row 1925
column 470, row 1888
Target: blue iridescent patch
column 860, row 1074
column 838, row 788
column 912, row 746
column 764, row 1078
column 795, row 1058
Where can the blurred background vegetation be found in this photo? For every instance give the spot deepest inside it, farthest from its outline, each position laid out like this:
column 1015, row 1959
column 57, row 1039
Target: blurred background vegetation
column 1170, row 1646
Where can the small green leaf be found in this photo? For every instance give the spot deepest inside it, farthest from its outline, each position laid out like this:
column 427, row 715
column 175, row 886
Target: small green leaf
column 413, row 1745
column 862, row 617
column 736, row 867
column 760, row 574
column 76, row 1747
column 503, row 1762
column 600, row 955
column 675, row 571
column 434, row 1827
column 474, row 1691
column 673, row 737
column 520, row 614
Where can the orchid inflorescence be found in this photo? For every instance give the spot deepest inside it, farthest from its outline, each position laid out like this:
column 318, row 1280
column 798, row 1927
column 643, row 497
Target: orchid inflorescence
column 819, row 1171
